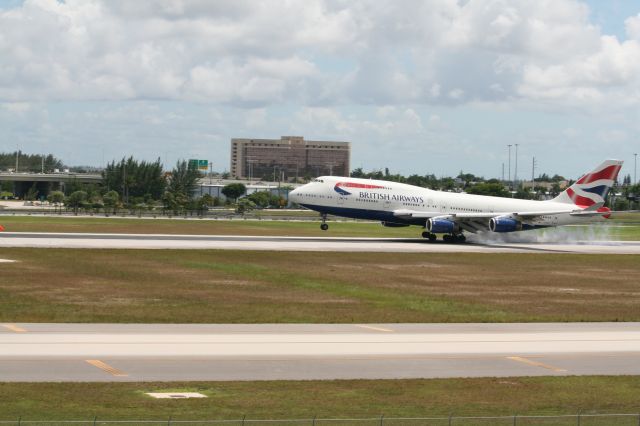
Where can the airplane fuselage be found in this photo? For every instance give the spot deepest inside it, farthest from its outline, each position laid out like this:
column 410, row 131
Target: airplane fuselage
column 385, row 201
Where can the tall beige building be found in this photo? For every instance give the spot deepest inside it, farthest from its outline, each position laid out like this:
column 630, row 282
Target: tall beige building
column 289, row 157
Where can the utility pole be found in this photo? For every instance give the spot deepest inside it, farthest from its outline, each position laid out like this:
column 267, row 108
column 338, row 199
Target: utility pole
column 515, row 173
column 503, row 172
column 635, row 164
column 533, row 171
column 509, row 165
column 125, row 187
column 17, row 158
column 42, row 169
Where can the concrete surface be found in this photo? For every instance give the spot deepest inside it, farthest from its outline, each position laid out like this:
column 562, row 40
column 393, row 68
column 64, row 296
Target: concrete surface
column 418, row 245
column 137, row 352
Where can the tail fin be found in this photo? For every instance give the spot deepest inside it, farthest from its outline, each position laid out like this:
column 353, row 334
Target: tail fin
column 590, row 191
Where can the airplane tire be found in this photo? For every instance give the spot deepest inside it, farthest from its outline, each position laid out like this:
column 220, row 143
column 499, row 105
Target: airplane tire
column 324, row 226
column 426, row 234
column 461, row 238
column 432, row 238
column 447, row 238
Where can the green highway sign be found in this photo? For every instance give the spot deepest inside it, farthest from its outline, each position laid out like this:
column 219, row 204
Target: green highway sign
column 199, row 164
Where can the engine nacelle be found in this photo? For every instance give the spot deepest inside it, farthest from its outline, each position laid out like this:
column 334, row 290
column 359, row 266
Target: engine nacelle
column 504, row 224
column 394, row 224
column 441, row 226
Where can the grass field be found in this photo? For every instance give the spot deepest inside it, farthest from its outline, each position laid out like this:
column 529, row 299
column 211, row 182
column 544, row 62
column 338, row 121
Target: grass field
column 627, row 228
column 208, row 286
column 201, row 227
column 328, row 399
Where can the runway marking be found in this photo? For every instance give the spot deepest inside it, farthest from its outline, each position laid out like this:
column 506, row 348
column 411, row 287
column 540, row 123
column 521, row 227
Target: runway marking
column 106, row 367
column 370, row 327
column 14, row 328
column 536, row 364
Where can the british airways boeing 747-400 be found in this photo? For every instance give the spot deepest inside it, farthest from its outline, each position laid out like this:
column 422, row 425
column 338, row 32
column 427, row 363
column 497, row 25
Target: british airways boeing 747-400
column 398, row 204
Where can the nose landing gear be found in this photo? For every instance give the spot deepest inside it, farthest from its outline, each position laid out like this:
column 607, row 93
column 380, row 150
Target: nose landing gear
column 324, row 225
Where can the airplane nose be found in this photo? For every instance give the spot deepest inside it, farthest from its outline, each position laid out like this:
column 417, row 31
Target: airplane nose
column 294, row 195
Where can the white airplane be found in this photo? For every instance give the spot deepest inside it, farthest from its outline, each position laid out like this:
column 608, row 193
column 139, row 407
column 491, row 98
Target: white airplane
column 399, row 204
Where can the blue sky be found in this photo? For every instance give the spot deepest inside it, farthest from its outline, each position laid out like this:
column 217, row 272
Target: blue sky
column 434, row 86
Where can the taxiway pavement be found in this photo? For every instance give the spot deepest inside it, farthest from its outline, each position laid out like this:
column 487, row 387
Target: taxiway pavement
column 168, row 352
column 231, row 242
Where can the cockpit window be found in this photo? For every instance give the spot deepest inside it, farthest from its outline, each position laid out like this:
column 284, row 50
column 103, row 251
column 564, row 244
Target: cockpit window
column 318, row 180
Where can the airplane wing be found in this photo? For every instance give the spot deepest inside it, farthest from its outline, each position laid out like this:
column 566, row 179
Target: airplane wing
column 472, row 216
column 414, row 214
column 476, row 222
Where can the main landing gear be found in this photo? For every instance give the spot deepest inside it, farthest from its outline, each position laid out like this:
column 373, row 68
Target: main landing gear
column 324, row 225
column 447, row 238
column 431, row 237
column 454, row 238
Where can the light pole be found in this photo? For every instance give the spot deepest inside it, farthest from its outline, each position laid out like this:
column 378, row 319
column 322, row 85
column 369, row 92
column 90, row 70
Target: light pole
column 533, row 171
column 635, row 163
column 509, row 145
column 515, row 172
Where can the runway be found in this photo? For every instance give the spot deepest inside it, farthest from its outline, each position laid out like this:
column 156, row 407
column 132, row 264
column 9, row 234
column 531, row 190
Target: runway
column 169, row 352
column 230, row 242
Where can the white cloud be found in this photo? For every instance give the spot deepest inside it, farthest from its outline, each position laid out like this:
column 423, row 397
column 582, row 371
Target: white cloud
column 632, row 27
column 255, row 118
column 16, row 107
column 251, row 53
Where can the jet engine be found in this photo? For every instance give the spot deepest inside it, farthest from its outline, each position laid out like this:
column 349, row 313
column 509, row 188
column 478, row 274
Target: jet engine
column 504, row 224
column 437, row 225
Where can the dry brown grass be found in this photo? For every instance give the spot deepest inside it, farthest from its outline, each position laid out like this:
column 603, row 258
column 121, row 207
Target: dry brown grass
column 64, row 285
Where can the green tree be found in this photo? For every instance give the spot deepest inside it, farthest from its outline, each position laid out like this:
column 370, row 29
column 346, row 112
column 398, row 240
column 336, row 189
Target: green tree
column 30, row 163
column 184, row 179
column 245, row 205
column 621, row 204
column 207, row 200
column 133, row 178
column 175, row 202
column 56, row 197
column 524, row 194
column 277, row 201
column 111, row 200
column 76, row 200
column 234, row 190
column 492, row 189
column 32, row 193
column 260, row 198
column 203, row 203
column 357, row 173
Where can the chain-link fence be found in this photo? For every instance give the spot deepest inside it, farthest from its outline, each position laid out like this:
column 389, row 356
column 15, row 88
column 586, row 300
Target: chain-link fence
column 560, row 420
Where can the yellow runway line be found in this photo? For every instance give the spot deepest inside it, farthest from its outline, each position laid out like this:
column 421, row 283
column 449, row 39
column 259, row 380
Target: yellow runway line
column 106, row 367
column 370, row 327
column 14, row 328
column 536, row 364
